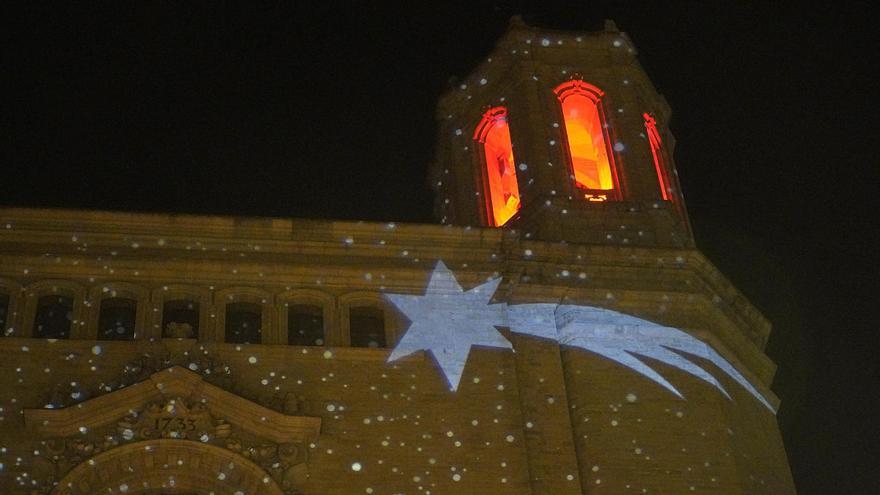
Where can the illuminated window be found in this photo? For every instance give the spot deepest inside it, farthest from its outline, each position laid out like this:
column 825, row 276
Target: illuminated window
column 588, row 151
column 117, row 317
column 244, row 323
column 180, row 319
column 305, row 325
column 367, row 327
column 657, row 152
column 502, row 191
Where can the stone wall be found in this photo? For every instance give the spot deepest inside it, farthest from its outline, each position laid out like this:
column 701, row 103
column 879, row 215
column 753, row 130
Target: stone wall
column 546, row 419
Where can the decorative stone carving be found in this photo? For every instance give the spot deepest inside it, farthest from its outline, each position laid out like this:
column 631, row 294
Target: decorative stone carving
column 172, row 419
column 174, row 404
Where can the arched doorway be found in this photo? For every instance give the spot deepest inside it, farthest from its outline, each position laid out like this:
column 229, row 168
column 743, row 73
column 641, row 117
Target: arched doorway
column 168, row 466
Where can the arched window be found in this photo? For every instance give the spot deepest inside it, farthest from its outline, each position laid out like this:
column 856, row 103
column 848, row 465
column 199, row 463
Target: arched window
column 589, row 154
column 53, row 317
column 244, row 323
column 117, row 319
column 367, row 326
column 659, row 160
column 305, row 324
column 180, row 319
column 501, row 191
column 4, row 311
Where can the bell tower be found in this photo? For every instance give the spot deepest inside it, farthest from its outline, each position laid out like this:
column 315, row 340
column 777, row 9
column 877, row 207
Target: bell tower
column 561, row 136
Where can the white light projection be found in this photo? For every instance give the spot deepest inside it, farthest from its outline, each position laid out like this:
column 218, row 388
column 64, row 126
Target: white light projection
column 448, row 320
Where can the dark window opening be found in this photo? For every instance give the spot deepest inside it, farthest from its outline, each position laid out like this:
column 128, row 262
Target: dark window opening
column 54, row 317
column 367, row 327
column 244, row 323
column 305, row 325
column 4, row 309
column 180, row 319
column 117, row 319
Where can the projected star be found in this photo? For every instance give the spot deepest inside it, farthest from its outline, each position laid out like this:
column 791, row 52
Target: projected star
column 448, row 321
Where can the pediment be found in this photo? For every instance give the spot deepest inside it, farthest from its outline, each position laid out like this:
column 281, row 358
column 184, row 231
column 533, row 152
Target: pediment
column 176, row 411
column 175, row 400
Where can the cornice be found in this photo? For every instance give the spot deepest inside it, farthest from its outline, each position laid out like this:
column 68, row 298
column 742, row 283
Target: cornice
column 275, row 251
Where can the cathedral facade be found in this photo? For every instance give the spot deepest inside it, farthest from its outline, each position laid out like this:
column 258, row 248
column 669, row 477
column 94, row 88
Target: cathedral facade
column 557, row 333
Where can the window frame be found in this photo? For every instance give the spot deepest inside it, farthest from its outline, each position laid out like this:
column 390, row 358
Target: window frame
column 576, row 85
column 265, row 299
column 307, row 297
column 174, row 292
column 481, row 131
column 391, row 319
column 52, row 287
column 118, row 289
column 73, row 322
column 14, row 292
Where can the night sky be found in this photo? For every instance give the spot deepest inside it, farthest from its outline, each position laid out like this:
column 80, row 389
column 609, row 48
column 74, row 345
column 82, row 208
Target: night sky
column 329, row 113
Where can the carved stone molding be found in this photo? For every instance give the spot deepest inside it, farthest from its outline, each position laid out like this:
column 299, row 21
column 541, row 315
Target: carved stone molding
column 164, row 465
column 173, row 405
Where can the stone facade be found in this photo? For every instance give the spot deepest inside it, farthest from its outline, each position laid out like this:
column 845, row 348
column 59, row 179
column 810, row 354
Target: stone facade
column 153, row 412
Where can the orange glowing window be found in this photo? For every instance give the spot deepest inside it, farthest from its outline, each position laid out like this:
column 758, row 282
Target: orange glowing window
column 502, row 190
column 585, row 133
column 659, row 164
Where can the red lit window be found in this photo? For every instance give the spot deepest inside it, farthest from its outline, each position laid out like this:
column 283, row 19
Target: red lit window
column 659, row 162
column 589, row 155
column 502, row 190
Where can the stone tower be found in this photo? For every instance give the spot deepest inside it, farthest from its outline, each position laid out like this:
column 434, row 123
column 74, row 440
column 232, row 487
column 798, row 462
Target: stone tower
column 590, row 155
column 584, row 347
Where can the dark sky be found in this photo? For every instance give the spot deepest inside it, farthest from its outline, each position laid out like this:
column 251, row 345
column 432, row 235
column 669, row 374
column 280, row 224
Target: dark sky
column 328, row 113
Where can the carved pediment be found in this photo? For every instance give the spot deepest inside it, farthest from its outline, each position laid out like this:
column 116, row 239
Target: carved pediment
column 176, row 383
column 175, row 404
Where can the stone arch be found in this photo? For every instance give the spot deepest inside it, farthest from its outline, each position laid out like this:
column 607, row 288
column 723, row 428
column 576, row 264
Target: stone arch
column 169, row 466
